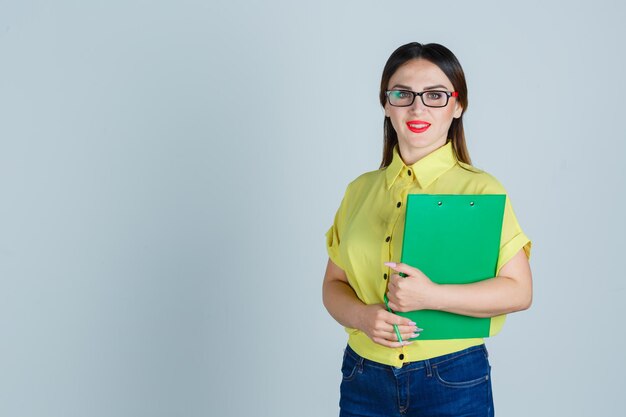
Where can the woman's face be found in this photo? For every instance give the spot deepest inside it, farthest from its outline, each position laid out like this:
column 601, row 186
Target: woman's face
column 421, row 129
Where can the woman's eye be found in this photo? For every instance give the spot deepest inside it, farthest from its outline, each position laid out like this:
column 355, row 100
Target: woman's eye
column 434, row 95
column 403, row 94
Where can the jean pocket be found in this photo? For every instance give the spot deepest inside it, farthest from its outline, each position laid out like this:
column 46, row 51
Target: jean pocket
column 465, row 371
column 349, row 367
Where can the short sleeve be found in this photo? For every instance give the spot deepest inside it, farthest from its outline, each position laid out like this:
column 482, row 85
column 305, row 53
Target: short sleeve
column 333, row 235
column 332, row 245
column 513, row 238
column 511, row 241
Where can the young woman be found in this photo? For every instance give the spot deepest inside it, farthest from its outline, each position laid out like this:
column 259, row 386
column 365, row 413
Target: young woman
column 424, row 95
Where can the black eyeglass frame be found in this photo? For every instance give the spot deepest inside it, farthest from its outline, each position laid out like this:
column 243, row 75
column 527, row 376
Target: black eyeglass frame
column 448, row 94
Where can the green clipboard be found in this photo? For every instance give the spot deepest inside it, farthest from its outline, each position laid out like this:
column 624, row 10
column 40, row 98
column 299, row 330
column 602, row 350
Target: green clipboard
column 453, row 239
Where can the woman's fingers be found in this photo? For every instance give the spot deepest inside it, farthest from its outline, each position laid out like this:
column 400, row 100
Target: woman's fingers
column 388, row 332
column 382, row 331
column 403, row 268
column 405, row 335
column 409, row 329
column 388, row 328
column 388, row 343
column 390, row 339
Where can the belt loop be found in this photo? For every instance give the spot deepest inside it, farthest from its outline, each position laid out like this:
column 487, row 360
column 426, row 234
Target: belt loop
column 429, row 370
column 359, row 364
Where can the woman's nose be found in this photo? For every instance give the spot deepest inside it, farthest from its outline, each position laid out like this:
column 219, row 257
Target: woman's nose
column 417, row 106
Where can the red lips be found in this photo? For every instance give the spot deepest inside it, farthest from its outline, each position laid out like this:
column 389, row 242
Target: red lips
column 417, row 126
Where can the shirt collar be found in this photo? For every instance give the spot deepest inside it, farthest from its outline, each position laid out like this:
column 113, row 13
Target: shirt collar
column 426, row 170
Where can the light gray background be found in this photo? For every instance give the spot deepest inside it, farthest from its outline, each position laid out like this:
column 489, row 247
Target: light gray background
column 168, row 171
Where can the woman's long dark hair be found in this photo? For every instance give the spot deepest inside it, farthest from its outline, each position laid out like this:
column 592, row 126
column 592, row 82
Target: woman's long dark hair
column 447, row 62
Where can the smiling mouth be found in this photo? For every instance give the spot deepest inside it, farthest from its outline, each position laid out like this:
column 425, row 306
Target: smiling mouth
column 417, row 126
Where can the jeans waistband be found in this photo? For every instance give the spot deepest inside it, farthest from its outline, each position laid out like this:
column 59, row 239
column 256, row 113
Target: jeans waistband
column 427, row 363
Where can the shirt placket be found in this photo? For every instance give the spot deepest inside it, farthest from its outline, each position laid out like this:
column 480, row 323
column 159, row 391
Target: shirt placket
column 393, row 236
column 392, row 239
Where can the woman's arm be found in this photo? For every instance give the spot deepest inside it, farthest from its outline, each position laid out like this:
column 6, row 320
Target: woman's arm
column 374, row 320
column 510, row 291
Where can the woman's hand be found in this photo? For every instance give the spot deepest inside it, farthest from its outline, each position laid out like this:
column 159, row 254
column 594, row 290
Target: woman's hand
column 373, row 320
column 377, row 323
column 413, row 292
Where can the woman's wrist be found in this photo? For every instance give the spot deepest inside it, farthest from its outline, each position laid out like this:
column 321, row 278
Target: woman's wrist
column 437, row 299
column 360, row 311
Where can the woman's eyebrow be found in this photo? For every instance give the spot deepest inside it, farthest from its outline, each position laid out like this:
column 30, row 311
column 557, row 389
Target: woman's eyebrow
column 404, row 87
column 432, row 87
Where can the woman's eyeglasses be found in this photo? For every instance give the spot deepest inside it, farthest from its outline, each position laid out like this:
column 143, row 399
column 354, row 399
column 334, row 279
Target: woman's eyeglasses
column 431, row 98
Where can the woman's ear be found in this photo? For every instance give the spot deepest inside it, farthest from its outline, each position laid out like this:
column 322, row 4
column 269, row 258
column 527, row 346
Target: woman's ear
column 458, row 110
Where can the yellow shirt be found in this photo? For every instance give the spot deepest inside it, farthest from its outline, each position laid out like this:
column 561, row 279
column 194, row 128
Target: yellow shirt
column 368, row 231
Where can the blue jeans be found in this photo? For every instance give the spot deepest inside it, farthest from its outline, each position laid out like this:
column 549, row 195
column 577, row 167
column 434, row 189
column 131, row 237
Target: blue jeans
column 457, row 384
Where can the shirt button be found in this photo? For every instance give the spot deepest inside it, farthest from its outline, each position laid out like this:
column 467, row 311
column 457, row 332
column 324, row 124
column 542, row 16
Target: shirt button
column 409, row 172
column 399, row 204
column 388, row 239
column 401, row 356
column 384, row 276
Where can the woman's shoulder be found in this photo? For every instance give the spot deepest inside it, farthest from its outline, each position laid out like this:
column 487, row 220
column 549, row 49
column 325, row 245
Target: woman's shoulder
column 367, row 180
column 482, row 181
